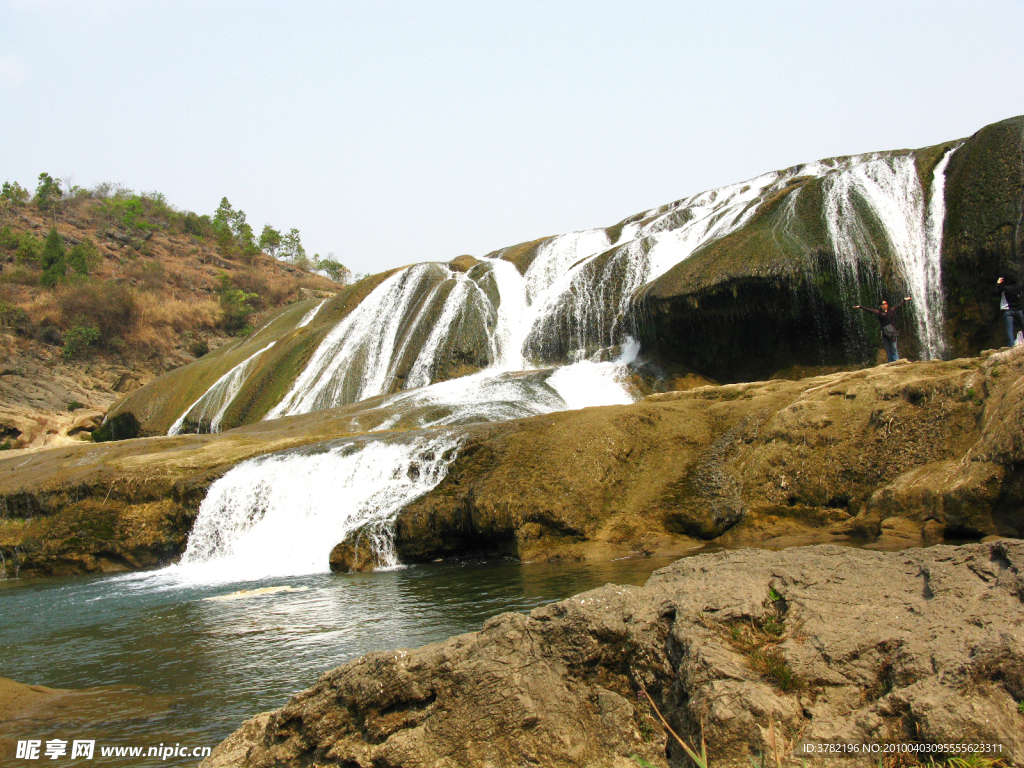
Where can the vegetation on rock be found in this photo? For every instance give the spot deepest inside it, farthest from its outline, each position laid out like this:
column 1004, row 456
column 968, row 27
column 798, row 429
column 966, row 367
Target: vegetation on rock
column 111, row 276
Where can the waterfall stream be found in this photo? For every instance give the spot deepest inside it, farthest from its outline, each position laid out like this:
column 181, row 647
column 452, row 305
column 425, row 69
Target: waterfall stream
column 208, row 411
column 280, row 515
column 885, row 191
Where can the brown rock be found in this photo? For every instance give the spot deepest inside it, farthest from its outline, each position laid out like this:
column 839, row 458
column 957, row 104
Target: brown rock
column 353, row 554
column 921, row 646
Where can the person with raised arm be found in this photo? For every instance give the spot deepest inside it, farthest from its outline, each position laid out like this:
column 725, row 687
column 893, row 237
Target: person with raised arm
column 1010, row 305
column 887, row 319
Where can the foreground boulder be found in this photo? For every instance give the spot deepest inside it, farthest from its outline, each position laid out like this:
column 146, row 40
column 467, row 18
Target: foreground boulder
column 810, row 644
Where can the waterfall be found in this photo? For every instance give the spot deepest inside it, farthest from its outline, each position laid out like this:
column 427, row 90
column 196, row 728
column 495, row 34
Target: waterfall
column 536, row 341
column 280, row 515
column 935, row 220
column 208, row 411
column 362, row 355
column 884, row 191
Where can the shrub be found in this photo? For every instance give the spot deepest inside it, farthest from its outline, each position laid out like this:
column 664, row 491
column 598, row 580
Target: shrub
column 123, row 426
column 52, row 260
column 198, row 226
column 74, row 405
column 29, row 250
column 199, row 348
column 8, row 240
column 12, row 316
column 262, row 293
column 84, row 257
column 235, row 305
column 109, row 307
column 78, row 338
column 150, row 275
column 19, row 276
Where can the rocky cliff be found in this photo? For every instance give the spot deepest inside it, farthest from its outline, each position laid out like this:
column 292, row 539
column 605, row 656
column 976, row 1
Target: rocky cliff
column 755, row 651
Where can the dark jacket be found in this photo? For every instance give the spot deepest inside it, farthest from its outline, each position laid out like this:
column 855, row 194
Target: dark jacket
column 885, row 318
column 1012, row 293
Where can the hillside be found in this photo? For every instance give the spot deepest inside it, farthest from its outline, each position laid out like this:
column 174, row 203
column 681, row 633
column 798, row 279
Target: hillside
column 141, row 289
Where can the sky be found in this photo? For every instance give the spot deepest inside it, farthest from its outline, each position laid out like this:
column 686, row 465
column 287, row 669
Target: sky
column 391, row 132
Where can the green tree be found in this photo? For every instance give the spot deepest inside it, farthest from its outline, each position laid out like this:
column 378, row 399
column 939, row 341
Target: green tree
column 52, row 260
column 47, row 192
column 235, row 304
column 247, row 240
column 335, row 270
column 225, row 214
column 11, row 196
column 270, row 240
column 291, row 246
column 84, row 257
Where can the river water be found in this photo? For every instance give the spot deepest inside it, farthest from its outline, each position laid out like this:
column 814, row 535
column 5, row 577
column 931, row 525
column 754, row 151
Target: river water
column 173, row 666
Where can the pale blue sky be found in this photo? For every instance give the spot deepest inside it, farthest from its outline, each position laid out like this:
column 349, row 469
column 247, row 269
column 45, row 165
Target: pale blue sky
column 395, row 132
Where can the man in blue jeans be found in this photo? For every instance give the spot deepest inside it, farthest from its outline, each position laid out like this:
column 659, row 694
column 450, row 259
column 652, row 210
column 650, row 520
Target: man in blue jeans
column 1009, row 303
column 887, row 319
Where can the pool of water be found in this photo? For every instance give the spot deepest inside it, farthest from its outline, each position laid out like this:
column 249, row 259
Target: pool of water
column 172, row 665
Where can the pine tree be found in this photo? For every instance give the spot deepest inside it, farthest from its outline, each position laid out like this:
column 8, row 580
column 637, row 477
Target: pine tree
column 53, row 262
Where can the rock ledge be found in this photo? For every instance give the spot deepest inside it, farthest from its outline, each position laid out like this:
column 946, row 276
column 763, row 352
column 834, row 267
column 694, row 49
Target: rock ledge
column 826, row 643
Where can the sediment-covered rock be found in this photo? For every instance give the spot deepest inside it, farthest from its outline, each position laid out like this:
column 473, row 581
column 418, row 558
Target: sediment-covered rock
column 938, row 445
column 812, row 644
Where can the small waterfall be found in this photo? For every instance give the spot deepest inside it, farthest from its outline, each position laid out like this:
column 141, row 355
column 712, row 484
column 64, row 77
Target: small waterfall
column 935, row 219
column 206, row 413
column 883, row 192
column 308, row 317
column 279, row 515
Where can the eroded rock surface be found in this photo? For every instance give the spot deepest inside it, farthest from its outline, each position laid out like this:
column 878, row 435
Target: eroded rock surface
column 902, row 453
column 920, row 646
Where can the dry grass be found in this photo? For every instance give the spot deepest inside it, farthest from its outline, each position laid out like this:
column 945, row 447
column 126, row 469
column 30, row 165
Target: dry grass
column 179, row 315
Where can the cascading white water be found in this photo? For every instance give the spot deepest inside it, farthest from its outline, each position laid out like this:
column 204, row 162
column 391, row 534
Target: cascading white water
column 280, row 515
column 935, row 220
column 360, row 357
column 214, row 403
column 887, row 188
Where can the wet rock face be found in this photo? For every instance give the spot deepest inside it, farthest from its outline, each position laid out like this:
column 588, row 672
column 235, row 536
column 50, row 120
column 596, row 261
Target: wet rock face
column 935, row 445
column 984, row 235
column 352, row 554
column 825, row 643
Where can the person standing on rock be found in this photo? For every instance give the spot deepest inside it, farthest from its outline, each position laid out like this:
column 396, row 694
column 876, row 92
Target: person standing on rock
column 1009, row 303
column 887, row 319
